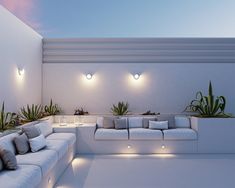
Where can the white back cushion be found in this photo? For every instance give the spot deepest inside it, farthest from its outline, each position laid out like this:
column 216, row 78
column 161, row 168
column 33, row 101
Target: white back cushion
column 182, row 122
column 45, row 128
column 135, row 122
column 158, row 124
column 100, row 122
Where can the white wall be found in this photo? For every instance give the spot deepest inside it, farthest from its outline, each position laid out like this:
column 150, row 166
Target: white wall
column 163, row 87
column 19, row 46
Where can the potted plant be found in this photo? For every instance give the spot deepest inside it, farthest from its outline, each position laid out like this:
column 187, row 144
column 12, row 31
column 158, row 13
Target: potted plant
column 30, row 113
column 216, row 129
column 51, row 109
column 120, row 109
column 7, row 119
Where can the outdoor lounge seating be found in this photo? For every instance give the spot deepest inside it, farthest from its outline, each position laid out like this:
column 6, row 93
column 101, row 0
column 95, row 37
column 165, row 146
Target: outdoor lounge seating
column 42, row 168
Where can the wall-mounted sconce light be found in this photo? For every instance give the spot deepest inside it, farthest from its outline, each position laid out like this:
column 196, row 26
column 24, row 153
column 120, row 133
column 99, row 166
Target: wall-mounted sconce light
column 136, row 76
column 163, row 147
column 20, row 71
column 128, row 147
column 89, row 76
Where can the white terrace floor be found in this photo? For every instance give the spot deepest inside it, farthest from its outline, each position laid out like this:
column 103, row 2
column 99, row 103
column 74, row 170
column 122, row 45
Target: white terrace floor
column 147, row 171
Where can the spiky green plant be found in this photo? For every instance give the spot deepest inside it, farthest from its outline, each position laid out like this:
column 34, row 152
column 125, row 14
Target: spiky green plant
column 7, row 119
column 31, row 113
column 208, row 106
column 120, row 109
column 51, row 109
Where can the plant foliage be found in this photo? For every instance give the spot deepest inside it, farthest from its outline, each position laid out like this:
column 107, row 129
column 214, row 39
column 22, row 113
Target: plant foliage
column 120, row 109
column 208, row 106
column 31, row 113
column 80, row 112
column 51, row 109
column 7, row 119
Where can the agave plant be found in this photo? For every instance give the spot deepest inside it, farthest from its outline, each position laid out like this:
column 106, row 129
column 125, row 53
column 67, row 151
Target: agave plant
column 31, row 113
column 51, row 109
column 208, row 106
column 7, row 119
column 120, row 109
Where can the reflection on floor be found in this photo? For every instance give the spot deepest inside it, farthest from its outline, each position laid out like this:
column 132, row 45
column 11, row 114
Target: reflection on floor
column 147, row 171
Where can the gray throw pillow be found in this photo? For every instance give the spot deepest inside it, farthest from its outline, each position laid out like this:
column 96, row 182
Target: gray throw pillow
column 31, row 131
column 1, row 165
column 146, row 121
column 8, row 159
column 120, row 123
column 108, row 122
column 22, row 144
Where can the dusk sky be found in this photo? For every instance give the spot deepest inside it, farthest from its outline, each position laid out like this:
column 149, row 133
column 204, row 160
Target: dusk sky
column 127, row 18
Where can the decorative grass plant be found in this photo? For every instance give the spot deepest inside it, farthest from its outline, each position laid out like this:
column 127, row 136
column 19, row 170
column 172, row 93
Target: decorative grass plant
column 208, row 106
column 120, row 109
column 31, row 113
column 51, row 109
column 7, row 119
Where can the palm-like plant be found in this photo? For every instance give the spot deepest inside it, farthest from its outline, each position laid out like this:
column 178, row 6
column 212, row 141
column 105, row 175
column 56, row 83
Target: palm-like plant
column 120, row 109
column 31, row 113
column 7, row 119
column 208, row 106
column 51, row 109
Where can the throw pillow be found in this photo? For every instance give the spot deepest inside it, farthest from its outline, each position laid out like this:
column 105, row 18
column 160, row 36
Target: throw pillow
column 182, row 122
column 135, row 122
column 120, row 123
column 158, row 124
column 108, row 122
column 37, row 143
column 22, row 144
column 99, row 122
column 31, row 131
column 146, row 121
column 8, row 159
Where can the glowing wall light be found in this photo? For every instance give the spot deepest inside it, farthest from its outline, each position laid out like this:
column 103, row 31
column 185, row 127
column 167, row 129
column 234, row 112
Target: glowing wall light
column 20, row 71
column 136, row 76
column 89, row 76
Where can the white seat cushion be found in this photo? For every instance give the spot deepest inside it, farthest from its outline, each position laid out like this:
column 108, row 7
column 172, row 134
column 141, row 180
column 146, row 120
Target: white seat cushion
column 145, row 134
column 180, row 134
column 45, row 159
column 69, row 137
column 26, row 176
column 60, row 146
column 111, row 134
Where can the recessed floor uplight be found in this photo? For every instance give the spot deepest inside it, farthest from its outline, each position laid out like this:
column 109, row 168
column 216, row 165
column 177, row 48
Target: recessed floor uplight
column 136, row 76
column 89, row 76
column 128, row 147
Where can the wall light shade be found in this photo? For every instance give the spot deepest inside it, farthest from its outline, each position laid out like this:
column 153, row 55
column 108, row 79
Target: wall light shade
column 89, row 76
column 136, row 76
column 20, row 71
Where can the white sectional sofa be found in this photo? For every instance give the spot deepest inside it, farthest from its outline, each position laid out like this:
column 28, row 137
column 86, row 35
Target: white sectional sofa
column 93, row 138
column 42, row 168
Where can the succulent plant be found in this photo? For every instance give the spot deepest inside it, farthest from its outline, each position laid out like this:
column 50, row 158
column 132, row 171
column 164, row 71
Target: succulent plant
column 150, row 113
column 208, row 106
column 31, row 113
column 80, row 112
column 120, row 109
column 7, row 119
column 51, row 109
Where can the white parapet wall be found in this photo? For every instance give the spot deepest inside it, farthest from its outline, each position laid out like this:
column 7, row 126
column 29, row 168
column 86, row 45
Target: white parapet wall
column 20, row 47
